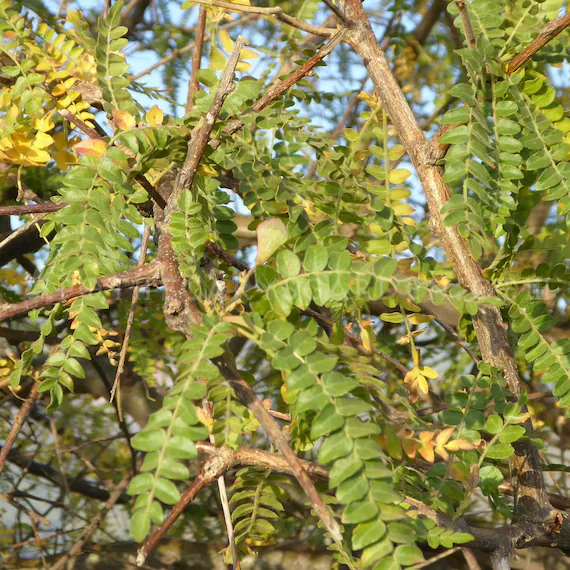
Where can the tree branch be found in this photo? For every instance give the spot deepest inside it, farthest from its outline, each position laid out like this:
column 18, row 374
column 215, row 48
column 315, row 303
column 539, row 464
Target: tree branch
column 550, row 31
column 488, row 323
column 74, row 484
column 21, row 210
column 148, row 275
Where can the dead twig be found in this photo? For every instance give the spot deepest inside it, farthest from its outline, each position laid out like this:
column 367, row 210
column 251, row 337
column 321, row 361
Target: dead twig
column 275, row 12
column 193, row 85
column 19, row 420
column 130, row 321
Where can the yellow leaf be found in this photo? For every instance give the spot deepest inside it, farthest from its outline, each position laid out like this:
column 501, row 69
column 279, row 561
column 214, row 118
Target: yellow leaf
column 410, row 447
column 459, row 445
column 444, row 435
column 124, row 120
column 155, row 116
column 423, row 385
column 36, row 156
column 396, row 152
column 426, row 436
column 367, row 339
column 416, row 359
column 418, row 319
column 248, row 54
column 243, row 66
column 399, row 175
column 401, row 209
column 406, row 339
column 206, row 170
column 411, row 375
column 367, row 98
column 63, row 159
column 428, row 372
column 42, row 140
column 217, row 59
column 60, row 141
column 226, row 41
column 91, row 147
column 443, row 281
column 441, row 452
column 44, row 124
column 398, row 194
column 426, row 451
column 271, row 235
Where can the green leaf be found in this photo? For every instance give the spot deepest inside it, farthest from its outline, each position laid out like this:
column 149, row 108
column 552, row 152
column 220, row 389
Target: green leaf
column 140, row 483
column 271, row 235
column 368, row 533
column 359, row 511
column 166, row 491
column 343, row 469
column 327, row 421
column 149, row 440
column 407, row 555
column 316, row 258
column 494, row 424
column 179, row 447
column 337, row 384
column 490, row 478
column 140, row 524
column 352, row 489
column 288, row 264
column 500, row 451
column 511, row 434
column 457, row 135
column 335, row 446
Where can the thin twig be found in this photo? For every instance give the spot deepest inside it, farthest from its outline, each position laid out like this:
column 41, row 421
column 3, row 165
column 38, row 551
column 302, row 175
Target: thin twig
column 212, row 469
column 470, row 559
column 247, row 396
column 465, row 20
column 436, row 558
column 130, row 321
column 58, row 455
column 21, row 230
column 196, row 59
column 279, row 89
column 181, row 51
column 456, row 338
column 356, row 342
column 201, row 134
column 225, row 256
column 276, row 12
column 550, row 31
column 19, row 420
column 32, row 515
column 335, row 10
